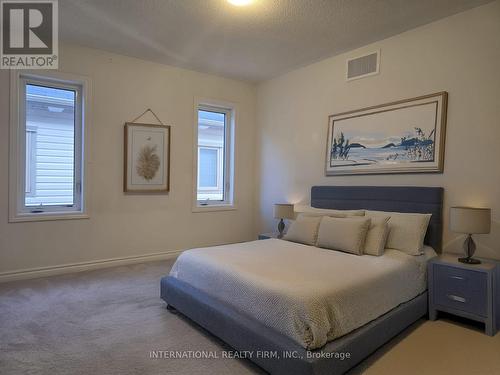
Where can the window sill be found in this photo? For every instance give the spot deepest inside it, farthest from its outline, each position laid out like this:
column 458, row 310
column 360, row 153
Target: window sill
column 214, row 207
column 47, row 216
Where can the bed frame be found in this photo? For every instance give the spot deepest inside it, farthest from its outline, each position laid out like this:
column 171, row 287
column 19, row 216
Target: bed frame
column 277, row 353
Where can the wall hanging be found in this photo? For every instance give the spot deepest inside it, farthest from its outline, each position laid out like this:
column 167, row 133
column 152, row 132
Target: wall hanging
column 147, row 157
column 406, row 136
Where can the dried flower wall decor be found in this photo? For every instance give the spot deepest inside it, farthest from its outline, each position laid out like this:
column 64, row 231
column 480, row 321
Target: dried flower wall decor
column 148, row 162
column 147, row 158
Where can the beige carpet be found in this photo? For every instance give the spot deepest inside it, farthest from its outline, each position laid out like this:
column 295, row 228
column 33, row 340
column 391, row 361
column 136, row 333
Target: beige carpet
column 108, row 321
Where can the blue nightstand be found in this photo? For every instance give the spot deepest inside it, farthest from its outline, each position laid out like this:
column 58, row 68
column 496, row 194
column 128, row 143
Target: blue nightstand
column 265, row 236
column 469, row 291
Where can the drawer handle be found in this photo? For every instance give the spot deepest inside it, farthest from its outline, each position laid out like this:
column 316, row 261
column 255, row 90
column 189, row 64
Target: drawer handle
column 457, row 277
column 456, row 298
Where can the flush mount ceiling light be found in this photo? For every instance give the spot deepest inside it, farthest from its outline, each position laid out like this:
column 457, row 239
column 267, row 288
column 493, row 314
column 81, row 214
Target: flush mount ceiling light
column 240, row 3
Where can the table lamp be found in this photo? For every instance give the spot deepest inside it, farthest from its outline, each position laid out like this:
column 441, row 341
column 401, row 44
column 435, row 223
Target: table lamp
column 283, row 211
column 470, row 220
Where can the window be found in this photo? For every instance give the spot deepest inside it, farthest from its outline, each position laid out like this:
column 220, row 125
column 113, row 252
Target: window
column 48, row 171
column 214, row 156
column 209, row 172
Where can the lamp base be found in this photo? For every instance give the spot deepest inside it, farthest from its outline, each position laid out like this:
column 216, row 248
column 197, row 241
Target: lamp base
column 281, row 228
column 469, row 260
column 469, row 248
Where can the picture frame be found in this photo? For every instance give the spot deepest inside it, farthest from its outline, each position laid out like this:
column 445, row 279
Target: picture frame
column 146, row 158
column 405, row 136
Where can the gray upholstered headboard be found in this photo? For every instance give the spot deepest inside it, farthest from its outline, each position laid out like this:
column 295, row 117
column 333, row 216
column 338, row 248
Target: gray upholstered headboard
column 387, row 198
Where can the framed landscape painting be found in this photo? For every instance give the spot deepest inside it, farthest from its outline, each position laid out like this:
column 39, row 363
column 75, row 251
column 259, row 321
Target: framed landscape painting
column 406, row 136
column 147, row 158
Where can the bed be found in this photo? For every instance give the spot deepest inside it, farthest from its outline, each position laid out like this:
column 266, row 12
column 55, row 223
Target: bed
column 274, row 298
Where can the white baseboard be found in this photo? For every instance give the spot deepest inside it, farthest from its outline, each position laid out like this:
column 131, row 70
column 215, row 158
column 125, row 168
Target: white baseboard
column 32, row 273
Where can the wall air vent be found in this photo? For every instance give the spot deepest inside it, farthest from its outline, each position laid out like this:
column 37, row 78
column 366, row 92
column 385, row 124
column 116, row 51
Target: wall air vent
column 363, row 66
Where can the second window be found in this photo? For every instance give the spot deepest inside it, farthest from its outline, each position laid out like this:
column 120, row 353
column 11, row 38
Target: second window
column 213, row 172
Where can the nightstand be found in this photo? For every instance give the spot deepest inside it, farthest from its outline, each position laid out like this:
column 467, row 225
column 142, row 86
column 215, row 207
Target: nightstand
column 469, row 291
column 266, row 236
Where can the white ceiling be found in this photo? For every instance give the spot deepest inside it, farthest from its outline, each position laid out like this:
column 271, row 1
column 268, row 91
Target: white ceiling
column 251, row 43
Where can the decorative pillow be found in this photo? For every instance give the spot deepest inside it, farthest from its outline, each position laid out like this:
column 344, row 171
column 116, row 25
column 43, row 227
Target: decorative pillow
column 406, row 230
column 344, row 234
column 304, row 230
column 377, row 236
column 328, row 212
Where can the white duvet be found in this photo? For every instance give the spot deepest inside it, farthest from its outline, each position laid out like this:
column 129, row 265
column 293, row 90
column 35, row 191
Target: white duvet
column 309, row 294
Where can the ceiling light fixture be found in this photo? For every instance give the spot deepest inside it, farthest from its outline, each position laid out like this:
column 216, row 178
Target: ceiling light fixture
column 240, row 3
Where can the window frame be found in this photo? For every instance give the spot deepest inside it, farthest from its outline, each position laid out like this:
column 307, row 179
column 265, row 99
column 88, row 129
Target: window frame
column 229, row 109
column 30, row 150
column 18, row 211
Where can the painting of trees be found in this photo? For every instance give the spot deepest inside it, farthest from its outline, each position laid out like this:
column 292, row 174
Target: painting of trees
column 340, row 147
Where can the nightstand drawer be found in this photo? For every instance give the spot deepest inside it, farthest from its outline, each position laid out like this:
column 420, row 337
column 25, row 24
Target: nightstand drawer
column 461, row 289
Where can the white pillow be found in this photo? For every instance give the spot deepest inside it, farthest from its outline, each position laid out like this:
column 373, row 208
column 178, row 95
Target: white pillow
column 304, row 230
column 377, row 236
column 406, row 230
column 328, row 212
column 344, row 234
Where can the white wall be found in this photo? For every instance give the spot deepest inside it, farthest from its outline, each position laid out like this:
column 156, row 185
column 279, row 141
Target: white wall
column 459, row 54
column 130, row 225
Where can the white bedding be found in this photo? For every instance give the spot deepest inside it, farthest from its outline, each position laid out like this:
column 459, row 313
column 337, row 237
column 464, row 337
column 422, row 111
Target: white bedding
column 311, row 295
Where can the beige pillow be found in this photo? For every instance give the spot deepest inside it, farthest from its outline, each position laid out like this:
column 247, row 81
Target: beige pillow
column 377, row 236
column 406, row 230
column 304, row 230
column 344, row 234
column 327, row 212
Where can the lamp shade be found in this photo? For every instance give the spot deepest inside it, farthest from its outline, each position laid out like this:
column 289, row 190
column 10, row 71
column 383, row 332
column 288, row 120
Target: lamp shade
column 470, row 220
column 283, row 211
